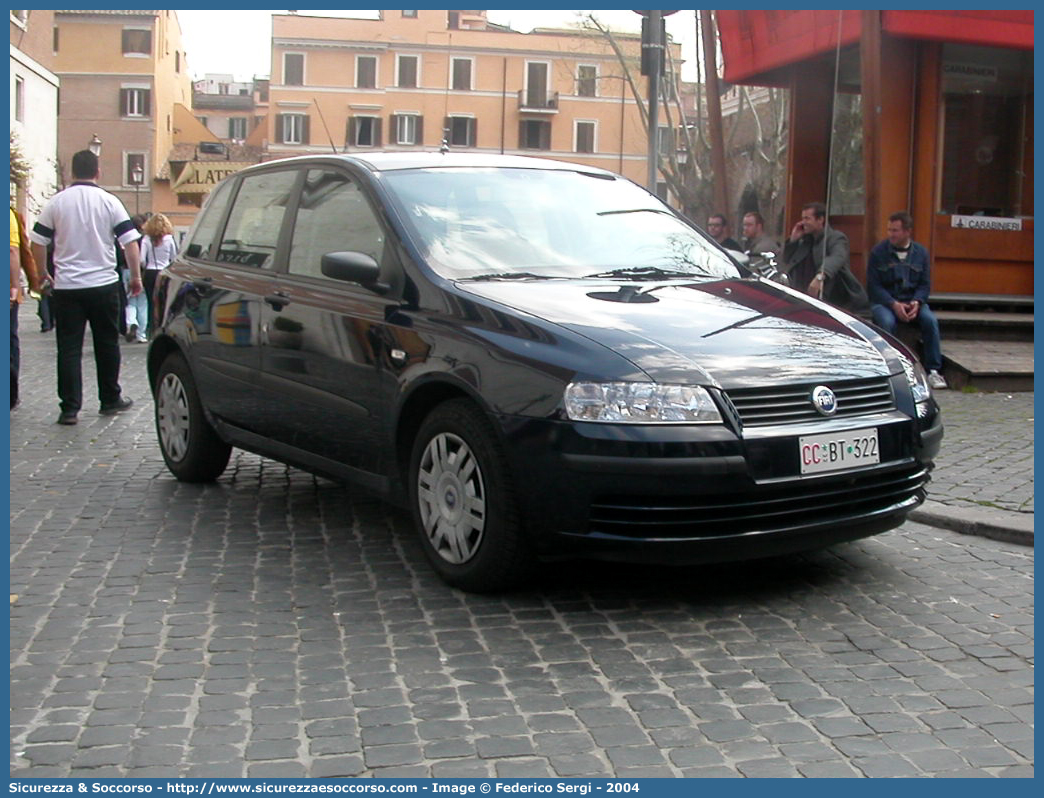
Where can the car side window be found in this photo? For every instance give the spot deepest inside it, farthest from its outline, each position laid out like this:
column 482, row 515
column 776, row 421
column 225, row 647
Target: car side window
column 201, row 239
column 333, row 216
column 252, row 232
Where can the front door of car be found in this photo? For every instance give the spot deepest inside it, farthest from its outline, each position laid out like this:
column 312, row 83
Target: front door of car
column 322, row 338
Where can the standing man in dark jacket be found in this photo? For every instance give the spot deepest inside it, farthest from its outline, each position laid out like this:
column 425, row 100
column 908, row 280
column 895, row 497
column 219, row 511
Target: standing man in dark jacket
column 898, row 279
column 82, row 221
column 815, row 259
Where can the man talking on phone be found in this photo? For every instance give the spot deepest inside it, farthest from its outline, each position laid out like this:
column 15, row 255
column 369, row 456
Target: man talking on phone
column 815, row 257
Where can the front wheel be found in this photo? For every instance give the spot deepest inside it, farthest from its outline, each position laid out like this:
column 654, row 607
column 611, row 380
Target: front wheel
column 463, row 502
column 190, row 446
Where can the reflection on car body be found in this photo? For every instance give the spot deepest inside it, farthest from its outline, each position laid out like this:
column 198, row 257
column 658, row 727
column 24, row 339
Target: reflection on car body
column 539, row 359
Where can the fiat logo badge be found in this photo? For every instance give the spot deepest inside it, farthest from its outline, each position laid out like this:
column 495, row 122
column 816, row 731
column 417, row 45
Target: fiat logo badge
column 824, row 401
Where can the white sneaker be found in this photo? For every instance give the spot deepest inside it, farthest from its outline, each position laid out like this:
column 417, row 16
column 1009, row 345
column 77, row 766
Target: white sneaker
column 936, row 380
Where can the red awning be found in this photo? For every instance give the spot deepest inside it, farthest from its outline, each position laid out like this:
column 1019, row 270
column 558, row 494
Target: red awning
column 755, row 43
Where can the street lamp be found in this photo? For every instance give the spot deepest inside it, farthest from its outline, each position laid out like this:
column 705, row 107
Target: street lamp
column 94, row 145
column 137, row 178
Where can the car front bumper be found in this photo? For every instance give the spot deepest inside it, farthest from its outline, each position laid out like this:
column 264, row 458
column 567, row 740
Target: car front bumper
column 689, row 494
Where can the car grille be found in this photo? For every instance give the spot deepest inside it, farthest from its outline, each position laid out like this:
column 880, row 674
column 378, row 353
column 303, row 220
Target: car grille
column 779, row 507
column 793, row 404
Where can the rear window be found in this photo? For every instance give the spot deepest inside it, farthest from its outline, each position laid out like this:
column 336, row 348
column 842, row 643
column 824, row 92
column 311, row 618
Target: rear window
column 201, row 236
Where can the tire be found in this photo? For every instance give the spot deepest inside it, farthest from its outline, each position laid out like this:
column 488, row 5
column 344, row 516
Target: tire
column 192, row 450
column 463, row 502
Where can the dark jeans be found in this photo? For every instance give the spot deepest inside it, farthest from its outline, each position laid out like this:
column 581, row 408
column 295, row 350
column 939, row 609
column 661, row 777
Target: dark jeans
column 15, row 354
column 148, row 280
column 73, row 310
column 43, row 310
column 885, row 317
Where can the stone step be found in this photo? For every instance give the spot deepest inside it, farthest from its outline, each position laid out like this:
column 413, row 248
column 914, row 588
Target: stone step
column 1017, row 303
column 985, row 324
column 988, row 365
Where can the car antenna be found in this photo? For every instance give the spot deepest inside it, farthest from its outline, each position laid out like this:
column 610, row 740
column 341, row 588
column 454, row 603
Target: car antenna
column 323, row 120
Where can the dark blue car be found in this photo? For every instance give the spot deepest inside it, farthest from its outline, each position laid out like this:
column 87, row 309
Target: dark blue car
column 539, row 359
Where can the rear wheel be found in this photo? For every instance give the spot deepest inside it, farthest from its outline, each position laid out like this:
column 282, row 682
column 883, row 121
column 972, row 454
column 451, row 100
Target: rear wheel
column 192, row 450
column 463, row 501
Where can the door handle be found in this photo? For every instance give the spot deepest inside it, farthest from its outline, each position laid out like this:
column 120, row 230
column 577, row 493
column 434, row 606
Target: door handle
column 278, row 300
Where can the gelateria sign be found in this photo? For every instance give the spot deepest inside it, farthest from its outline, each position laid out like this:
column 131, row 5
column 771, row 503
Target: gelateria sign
column 198, row 177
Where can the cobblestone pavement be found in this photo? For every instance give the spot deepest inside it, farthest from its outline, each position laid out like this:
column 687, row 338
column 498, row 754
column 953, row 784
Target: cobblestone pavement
column 275, row 624
column 987, row 454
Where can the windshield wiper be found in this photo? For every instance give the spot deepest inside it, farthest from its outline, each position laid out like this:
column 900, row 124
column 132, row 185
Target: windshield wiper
column 647, row 272
column 507, row 276
column 637, row 210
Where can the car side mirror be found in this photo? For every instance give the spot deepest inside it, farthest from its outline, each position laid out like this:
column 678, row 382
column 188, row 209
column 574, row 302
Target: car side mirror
column 354, row 267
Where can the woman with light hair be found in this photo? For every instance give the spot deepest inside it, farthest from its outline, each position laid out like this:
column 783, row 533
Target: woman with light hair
column 157, row 251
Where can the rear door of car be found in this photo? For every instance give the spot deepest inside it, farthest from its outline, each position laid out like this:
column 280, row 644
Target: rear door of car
column 227, row 270
column 325, row 341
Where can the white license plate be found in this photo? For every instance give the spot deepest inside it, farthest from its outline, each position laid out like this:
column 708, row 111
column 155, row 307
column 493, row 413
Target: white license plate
column 838, row 451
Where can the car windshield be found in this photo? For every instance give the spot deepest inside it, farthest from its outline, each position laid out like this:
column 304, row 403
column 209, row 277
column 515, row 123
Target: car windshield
column 518, row 223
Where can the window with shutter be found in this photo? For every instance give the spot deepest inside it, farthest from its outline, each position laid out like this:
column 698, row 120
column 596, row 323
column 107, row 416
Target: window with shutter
column 406, row 128
column 586, row 80
column 137, row 41
column 293, row 69
column 365, row 72
column 294, row 128
column 585, row 136
column 462, row 131
column 462, row 74
column 407, row 66
column 534, row 134
column 134, row 102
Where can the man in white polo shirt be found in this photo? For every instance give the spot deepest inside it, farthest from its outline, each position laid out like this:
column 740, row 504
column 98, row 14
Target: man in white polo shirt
column 84, row 222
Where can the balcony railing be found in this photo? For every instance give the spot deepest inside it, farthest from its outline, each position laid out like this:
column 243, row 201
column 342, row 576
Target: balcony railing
column 537, row 102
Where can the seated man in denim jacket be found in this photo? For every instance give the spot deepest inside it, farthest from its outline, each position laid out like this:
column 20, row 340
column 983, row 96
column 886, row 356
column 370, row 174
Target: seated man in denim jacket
column 898, row 280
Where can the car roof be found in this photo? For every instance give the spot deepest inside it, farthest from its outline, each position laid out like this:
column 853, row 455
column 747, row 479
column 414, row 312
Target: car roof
column 394, row 161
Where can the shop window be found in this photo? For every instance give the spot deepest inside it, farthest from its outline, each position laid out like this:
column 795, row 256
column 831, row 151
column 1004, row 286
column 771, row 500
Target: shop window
column 848, row 178
column 987, row 157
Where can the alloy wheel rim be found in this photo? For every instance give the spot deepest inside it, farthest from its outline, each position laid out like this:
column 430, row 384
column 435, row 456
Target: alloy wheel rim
column 452, row 498
column 172, row 417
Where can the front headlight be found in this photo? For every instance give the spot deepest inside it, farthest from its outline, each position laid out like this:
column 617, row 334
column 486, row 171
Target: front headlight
column 640, row 403
column 917, row 378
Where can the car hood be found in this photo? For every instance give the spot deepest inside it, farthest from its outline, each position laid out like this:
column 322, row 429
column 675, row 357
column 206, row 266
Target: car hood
column 733, row 333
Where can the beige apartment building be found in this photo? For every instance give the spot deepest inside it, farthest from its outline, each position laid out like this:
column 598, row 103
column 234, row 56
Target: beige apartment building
column 34, row 107
column 122, row 75
column 411, row 80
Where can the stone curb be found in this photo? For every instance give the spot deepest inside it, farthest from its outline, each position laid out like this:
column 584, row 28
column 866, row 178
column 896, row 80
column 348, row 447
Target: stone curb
column 986, row 522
